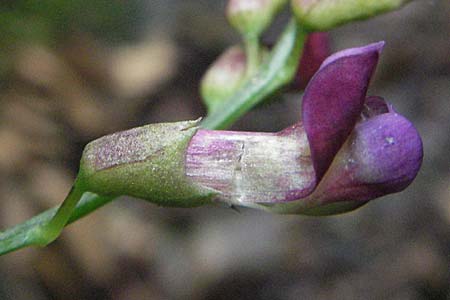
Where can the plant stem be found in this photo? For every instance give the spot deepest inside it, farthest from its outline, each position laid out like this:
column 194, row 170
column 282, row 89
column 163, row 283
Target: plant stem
column 252, row 51
column 276, row 72
column 28, row 233
column 52, row 228
column 88, row 203
column 271, row 76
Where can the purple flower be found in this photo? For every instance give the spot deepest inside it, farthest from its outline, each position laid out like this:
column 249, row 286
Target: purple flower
column 347, row 150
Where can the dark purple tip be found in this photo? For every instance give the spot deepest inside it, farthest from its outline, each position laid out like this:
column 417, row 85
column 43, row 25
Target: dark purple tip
column 334, row 100
column 374, row 106
column 315, row 51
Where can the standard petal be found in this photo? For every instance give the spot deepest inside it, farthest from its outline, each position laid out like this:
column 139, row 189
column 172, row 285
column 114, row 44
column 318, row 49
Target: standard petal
column 334, row 99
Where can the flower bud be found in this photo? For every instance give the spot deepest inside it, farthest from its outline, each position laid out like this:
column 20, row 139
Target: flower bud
column 252, row 17
column 223, row 77
column 321, row 15
column 315, row 51
column 147, row 162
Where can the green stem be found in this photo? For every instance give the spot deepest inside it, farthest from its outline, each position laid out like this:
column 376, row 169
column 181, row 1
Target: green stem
column 88, row 203
column 52, row 228
column 29, row 233
column 252, row 51
column 276, row 72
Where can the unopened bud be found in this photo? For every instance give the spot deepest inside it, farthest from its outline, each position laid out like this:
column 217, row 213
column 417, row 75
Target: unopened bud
column 252, row 17
column 223, row 77
column 321, row 15
column 315, row 51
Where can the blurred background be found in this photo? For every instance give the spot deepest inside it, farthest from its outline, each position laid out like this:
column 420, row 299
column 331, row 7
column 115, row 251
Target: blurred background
column 71, row 71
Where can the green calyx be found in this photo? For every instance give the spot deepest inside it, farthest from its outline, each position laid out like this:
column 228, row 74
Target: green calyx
column 322, row 15
column 147, row 162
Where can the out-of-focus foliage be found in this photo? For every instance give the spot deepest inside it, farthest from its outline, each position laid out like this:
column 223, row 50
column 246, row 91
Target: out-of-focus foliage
column 49, row 21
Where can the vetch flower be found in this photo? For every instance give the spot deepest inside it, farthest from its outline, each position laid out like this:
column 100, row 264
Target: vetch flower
column 347, row 149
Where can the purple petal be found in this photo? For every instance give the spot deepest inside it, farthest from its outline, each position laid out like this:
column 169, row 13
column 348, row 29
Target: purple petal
column 252, row 167
column 334, row 99
column 374, row 106
column 383, row 156
column 374, row 47
column 390, row 151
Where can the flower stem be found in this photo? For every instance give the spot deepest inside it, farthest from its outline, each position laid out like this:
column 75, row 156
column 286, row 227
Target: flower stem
column 252, row 51
column 53, row 228
column 30, row 233
column 272, row 75
column 276, row 72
